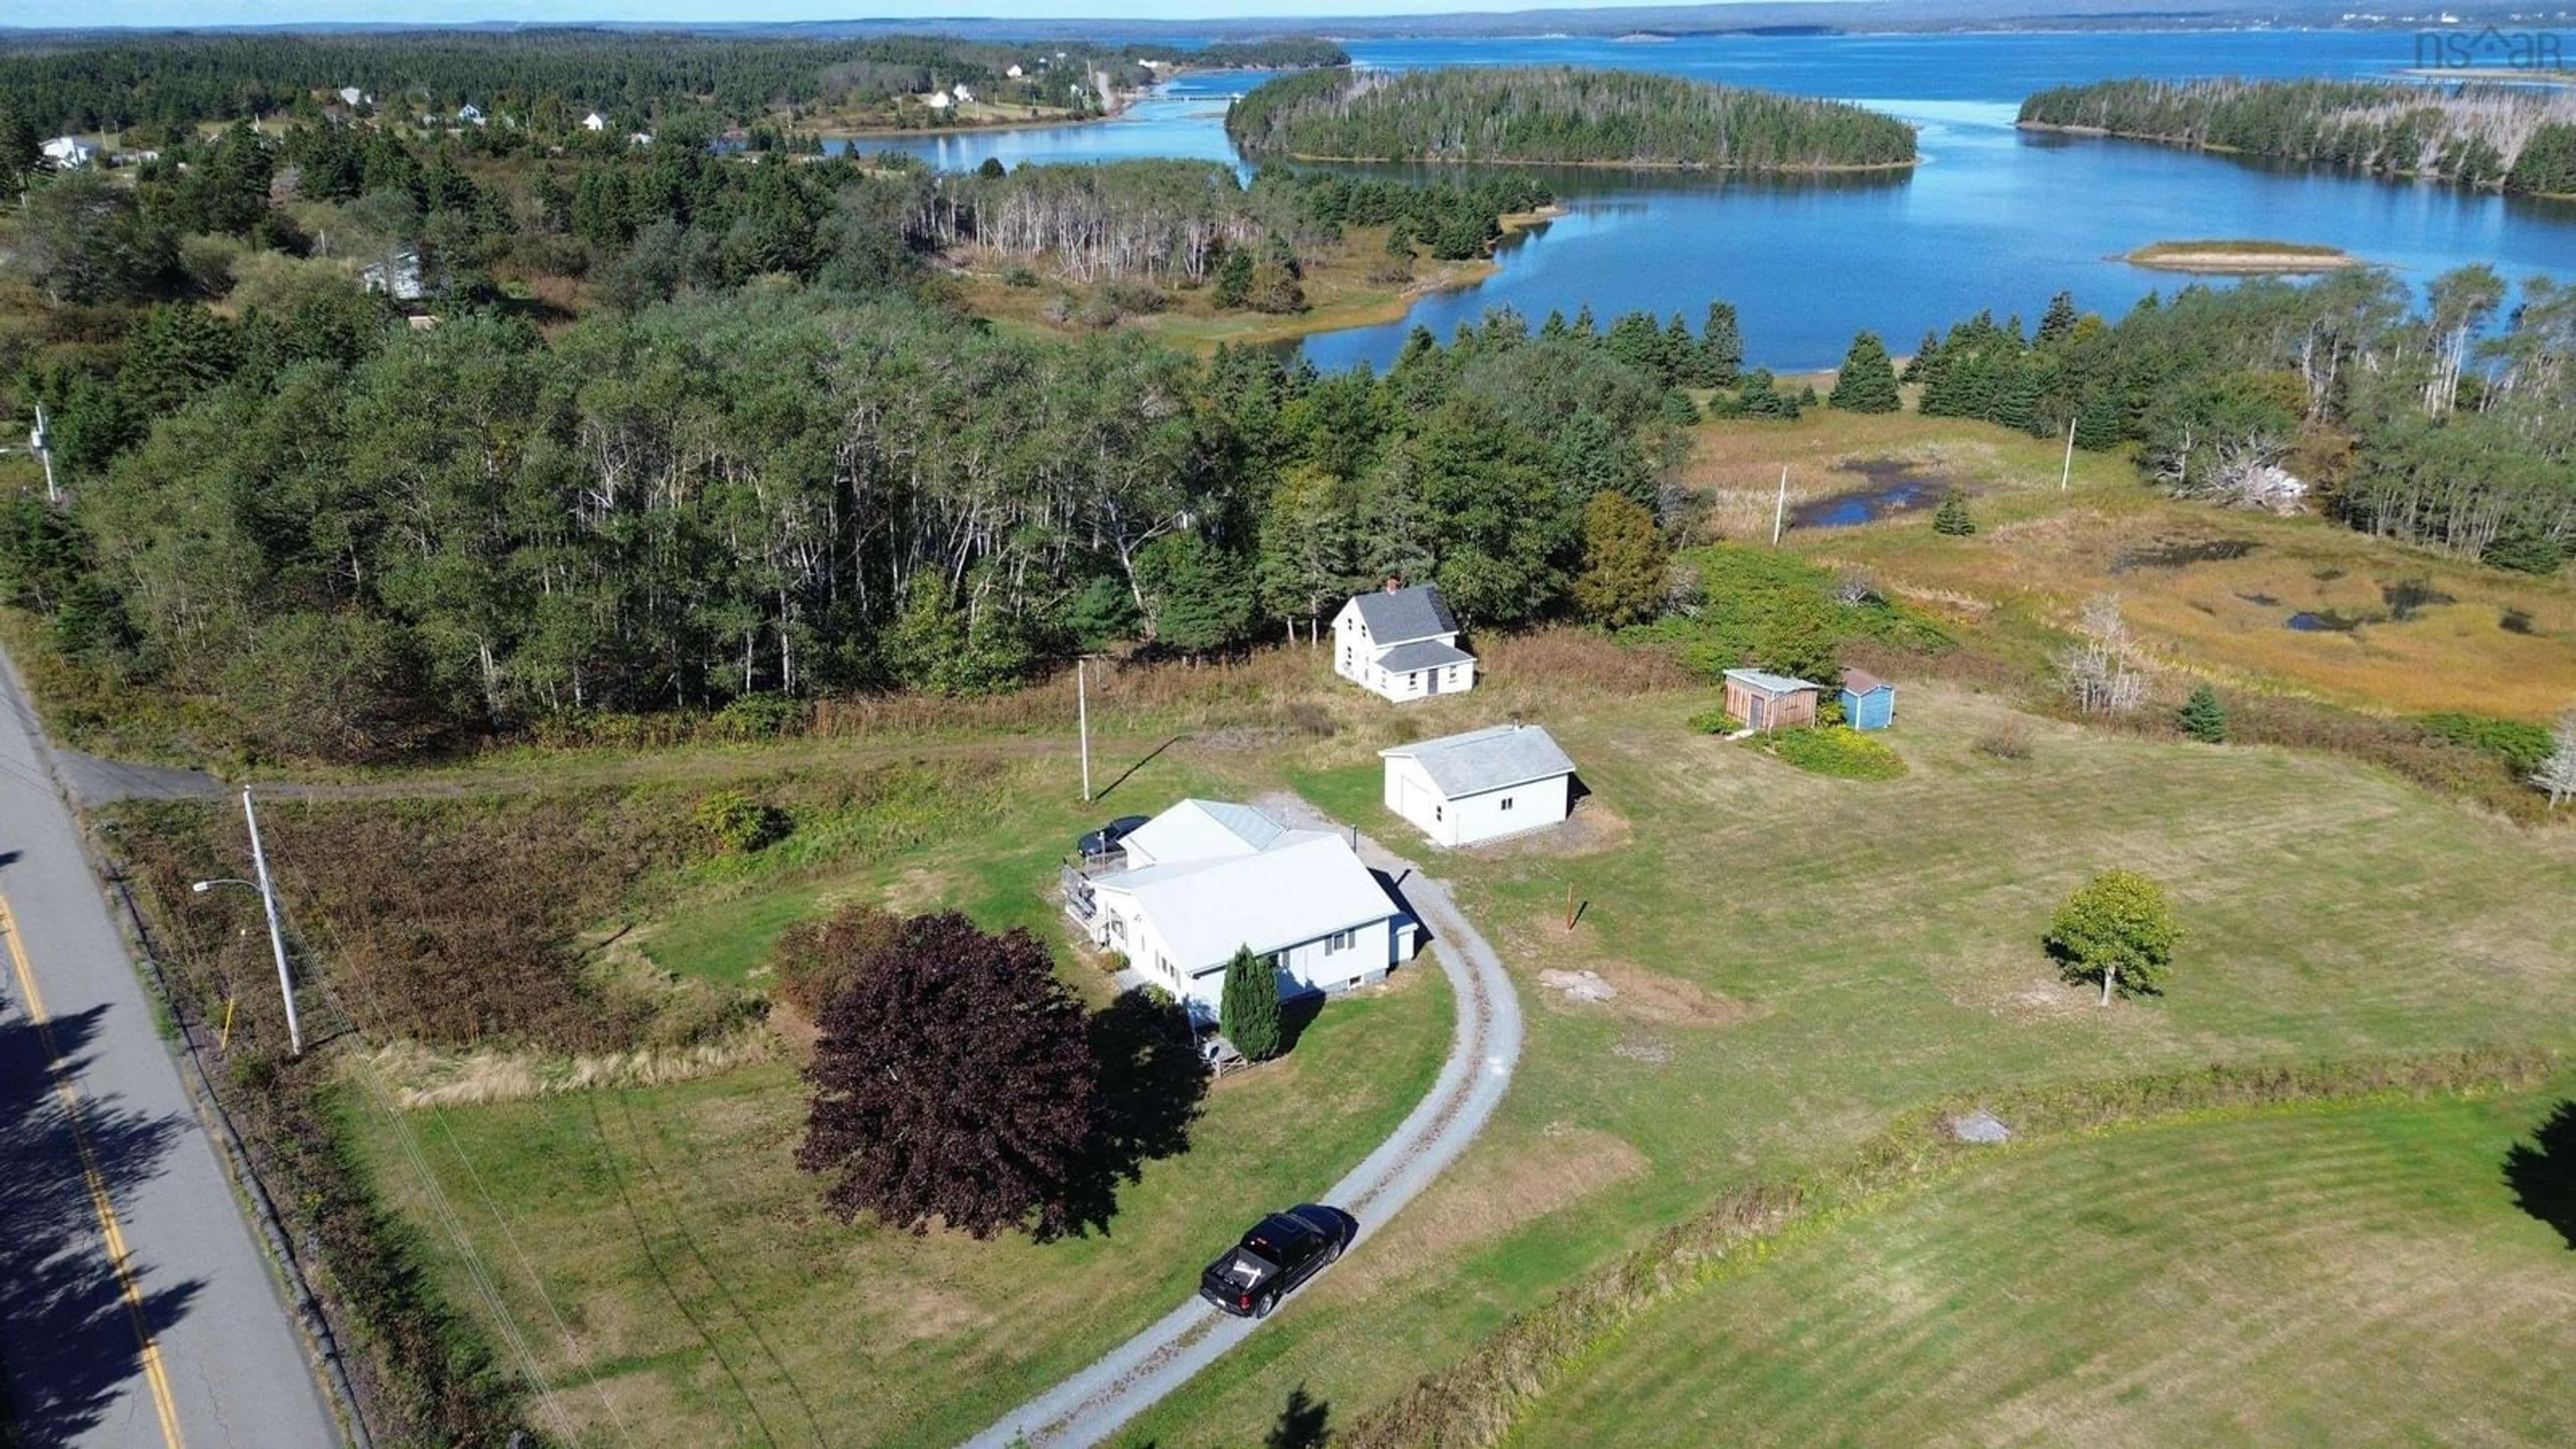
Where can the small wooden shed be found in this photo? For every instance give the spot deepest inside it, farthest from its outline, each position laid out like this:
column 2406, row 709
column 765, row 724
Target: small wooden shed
column 1869, row 702
column 1769, row 701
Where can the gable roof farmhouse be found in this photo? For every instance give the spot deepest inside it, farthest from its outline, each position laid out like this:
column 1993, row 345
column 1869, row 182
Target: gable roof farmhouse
column 1399, row 616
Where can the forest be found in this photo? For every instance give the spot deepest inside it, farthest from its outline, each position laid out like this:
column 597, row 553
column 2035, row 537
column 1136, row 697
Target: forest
column 2432, row 425
column 2489, row 137
column 1558, row 115
column 159, row 88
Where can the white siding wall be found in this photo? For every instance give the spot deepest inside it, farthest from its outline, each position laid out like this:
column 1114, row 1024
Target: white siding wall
column 1366, row 954
column 1351, row 648
column 1410, row 793
column 1533, row 806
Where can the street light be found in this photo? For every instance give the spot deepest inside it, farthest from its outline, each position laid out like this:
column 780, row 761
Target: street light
column 268, row 900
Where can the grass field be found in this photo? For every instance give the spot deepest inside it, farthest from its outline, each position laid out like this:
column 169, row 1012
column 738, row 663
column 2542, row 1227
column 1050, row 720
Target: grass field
column 2314, row 1275
column 1799, row 959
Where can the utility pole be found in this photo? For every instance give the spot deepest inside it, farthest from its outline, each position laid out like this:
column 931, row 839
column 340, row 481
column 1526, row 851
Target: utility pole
column 1780, row 510
column 1082, row 712
column 43, row 442
column 276, row 936
column 2068, row 474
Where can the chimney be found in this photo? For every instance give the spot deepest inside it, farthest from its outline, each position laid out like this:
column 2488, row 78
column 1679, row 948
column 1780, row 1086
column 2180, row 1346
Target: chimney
column 1393, row 583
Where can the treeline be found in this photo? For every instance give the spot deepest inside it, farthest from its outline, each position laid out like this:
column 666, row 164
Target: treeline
column 1559, row 114
column 1185, row 221
column 358, row 553
column 2484, row 136
column 547, row 79
column 2426, row 424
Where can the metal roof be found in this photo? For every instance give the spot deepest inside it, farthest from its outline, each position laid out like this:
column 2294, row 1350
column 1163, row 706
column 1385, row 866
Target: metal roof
column 1423, row 654
column 1770, row 683
column 1196, row 830
column 1397, row 616
column 1487, row 759
column 1305, row 885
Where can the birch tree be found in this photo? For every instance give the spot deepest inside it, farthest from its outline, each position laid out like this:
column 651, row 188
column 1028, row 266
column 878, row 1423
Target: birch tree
column 2557, row 775
column 2101, row 667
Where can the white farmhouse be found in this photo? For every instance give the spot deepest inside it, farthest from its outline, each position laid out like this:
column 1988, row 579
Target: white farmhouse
column 937, row 100
column 469, row 114
column 963, row 95
column 1205, row 879
column 1403, row 643
column 1015, row 72
column 66, row 152
column 1482, row 785
column 594, row 122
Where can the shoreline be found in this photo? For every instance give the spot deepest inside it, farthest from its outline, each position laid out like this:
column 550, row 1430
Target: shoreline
column 2187, row 143
column 1836, row 169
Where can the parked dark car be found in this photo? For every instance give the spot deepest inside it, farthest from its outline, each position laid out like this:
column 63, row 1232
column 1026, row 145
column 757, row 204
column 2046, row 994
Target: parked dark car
column 1106, row 838
column 1282, row 1251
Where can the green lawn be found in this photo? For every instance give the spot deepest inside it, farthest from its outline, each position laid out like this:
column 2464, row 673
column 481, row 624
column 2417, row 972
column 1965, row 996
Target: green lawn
column 2313, row 1276
column 706, row 1298
column 1802, row 958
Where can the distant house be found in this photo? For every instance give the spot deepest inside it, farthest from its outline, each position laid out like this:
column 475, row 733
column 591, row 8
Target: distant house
column 67, row 152
column 639, row 138
column 1205, row 879
column 1015, row 72
column 1403, row 643
column 352, row 96
column 937, row 100
column 1771, row 701
column 1482, row 785
column 1869, row 702
column 594, row 122
column 963, row 95
column 469, row 115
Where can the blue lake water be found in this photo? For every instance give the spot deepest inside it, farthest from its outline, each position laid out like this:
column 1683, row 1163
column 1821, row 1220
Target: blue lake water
column 1994, row 218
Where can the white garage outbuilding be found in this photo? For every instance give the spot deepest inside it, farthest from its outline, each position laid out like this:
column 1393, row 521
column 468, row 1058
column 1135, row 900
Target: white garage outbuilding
column 1482, row 785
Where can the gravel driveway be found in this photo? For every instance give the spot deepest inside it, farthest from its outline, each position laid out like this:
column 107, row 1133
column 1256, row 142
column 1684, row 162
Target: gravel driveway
column 1092, row 1405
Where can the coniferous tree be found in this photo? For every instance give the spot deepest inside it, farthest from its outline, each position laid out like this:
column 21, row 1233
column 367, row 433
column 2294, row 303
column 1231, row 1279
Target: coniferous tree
column 2058, row 323
column 1248, row 1008
column 2203, row 718
column 1952, row 517
column 1622, row 581
column 1867, row 382
column 1924, row 352
column 1721, row 347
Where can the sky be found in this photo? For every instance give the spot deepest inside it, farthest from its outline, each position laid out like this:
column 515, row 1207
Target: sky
column 193, row 13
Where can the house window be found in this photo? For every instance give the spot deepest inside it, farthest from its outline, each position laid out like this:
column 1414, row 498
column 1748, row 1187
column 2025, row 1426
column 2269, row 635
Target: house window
column 1507, row 802
column 1340, row 941
column 1435, row 812
column 1413, row 680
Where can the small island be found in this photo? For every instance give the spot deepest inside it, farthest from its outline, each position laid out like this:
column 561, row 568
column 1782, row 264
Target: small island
column 2241, row 257
column 1559, row 116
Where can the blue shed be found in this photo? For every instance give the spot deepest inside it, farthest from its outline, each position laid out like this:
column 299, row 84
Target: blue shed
column 1869, row 702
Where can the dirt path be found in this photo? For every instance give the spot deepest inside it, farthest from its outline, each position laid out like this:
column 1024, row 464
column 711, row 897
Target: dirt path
column 1486, row 1045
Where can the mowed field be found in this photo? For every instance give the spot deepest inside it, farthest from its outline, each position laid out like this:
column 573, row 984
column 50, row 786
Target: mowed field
column 1799, row 959
column 2316, row 1276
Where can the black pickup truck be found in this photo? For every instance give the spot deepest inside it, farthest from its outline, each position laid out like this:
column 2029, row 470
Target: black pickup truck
column 1282, row 1251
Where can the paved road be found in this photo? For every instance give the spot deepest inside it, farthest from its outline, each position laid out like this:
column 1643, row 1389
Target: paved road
column 1093, row 1404
column 136, row 1307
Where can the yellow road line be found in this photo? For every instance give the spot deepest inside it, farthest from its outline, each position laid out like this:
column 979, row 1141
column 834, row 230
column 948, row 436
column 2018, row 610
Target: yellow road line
column 154, row 1372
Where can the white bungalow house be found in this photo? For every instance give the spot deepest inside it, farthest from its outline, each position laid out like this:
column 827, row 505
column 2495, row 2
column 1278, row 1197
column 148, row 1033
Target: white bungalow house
column 1482, row 785
column 1205, row 879
column 1403, row 643
column 594, row 122
column 1015, row 72
column 469, row 114
column 66, row 152
column 353, row 97
column 937, row 100
column 963, row 95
